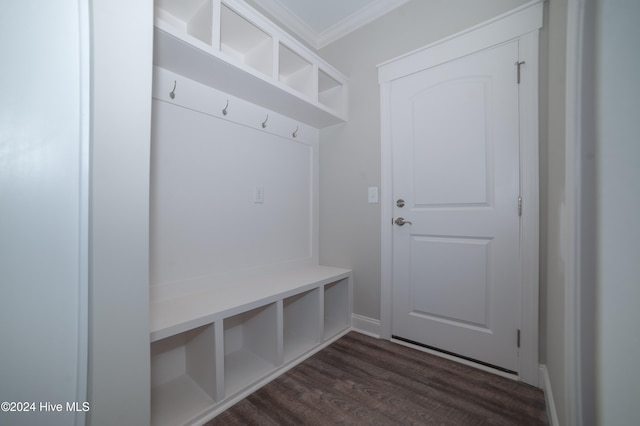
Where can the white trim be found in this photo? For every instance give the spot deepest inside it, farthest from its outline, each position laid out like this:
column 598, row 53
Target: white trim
column 508, row 26
column 545, row 384
column 522, row 23
column 579, row 302
column 360, row 18
column 572, row 219
column 365, row 325
column 318, row 40
column 386, row 215
column 530, row 219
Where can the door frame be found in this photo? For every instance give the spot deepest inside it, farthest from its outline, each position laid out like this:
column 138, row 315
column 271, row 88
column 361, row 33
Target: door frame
column 523, row 24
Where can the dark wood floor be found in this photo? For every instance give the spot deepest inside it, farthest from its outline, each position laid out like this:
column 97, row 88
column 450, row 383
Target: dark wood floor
column 359, row 380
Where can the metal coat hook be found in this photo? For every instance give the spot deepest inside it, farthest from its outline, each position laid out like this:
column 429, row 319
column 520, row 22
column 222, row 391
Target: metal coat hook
column 172, row 94
column 264, row 123
column 295, row 134
column 226, row 107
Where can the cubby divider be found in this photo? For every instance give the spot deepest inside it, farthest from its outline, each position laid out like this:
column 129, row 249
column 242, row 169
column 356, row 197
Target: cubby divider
column 331, row 92
column 194, row 17
column 337, row 312
column 245, row 42
column 296, row 72
column 302, row 321
column 183, row 375
column 251, row 347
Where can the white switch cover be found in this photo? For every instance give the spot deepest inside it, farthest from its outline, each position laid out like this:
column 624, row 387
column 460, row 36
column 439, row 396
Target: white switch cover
column 373, row 195
column 258, row 194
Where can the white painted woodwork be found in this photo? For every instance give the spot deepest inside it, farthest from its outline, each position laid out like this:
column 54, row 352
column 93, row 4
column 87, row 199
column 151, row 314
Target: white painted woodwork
column 209, row 351
column 183, row 363
column 337, row 308
column 456, row 165
column 237, row 296
column 251, row 347
column 302, row 323
column 297, row 73
column 204, row 221
column 229, row 46
column 462, row 178
column 331, row 92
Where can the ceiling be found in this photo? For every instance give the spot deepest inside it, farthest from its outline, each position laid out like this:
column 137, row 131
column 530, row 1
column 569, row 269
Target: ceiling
column 320, row 22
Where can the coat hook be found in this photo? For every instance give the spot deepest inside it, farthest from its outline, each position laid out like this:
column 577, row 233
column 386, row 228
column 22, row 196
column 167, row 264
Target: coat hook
column 226, row 107
column 295, row 134
column 172, row 94
column 264, row 123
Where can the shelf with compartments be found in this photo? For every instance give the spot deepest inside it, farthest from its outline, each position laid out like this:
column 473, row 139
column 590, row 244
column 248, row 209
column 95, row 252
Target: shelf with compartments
column 210, row 349
column 227, row 45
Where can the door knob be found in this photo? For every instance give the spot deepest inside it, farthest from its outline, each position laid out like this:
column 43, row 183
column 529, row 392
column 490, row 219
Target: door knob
column 400, row 221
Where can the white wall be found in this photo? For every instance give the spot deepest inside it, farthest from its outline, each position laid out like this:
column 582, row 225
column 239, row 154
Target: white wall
column 119, row 284
column 43, row 209
column 350, row 153
column 618, row 204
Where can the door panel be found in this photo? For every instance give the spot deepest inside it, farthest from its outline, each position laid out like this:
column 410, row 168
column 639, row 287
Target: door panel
column 456, row 164
column 436, row 283
column 463, row 165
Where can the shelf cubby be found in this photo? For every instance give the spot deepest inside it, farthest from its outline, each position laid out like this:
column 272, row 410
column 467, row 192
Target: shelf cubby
column 302, row 319
column 245, row 42
column 183, row 376
column 193, row 17
column 250, row 347
column 229, row 46
column 296, row 72
column 337, row 302
column 330, row 92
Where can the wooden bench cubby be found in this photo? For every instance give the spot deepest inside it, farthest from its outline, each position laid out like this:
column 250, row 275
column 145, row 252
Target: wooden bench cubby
column 210, row 349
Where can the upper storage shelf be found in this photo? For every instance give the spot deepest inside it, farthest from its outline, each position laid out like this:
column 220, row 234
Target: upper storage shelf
column 231, row 47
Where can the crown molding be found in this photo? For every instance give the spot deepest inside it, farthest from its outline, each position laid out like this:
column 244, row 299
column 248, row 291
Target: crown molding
column 369, row 13
column 356, row 20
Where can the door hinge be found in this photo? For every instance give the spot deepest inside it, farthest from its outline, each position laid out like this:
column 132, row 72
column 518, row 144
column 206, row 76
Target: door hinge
column 518, row 338
column 518, row 65
column 519, row 205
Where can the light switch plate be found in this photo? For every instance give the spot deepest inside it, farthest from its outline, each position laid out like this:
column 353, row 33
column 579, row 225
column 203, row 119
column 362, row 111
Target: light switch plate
column 373, row 195
column 258, row 194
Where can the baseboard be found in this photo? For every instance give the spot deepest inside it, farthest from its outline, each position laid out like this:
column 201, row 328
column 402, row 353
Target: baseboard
column 548, row 396
column 365, row 325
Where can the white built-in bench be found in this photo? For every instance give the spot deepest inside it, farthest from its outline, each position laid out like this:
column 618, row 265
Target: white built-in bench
column 223, row 340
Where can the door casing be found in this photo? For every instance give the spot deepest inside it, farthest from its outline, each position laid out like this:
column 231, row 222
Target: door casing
column 523, row 24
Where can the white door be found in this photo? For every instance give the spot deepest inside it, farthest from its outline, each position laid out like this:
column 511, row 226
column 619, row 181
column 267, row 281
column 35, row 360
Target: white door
column 455, row 149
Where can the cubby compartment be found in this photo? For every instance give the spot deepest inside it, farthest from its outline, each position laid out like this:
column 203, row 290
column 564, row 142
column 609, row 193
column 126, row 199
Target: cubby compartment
column 183, row 376
column 330, row 92
column 250, row 347
column 193, row 17
column 302, row 319
column 296, row 72
column 337, row 302
column 245, row 42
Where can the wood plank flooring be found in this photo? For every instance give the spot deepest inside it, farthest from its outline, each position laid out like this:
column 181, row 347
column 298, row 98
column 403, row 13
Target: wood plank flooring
column 360, row 380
